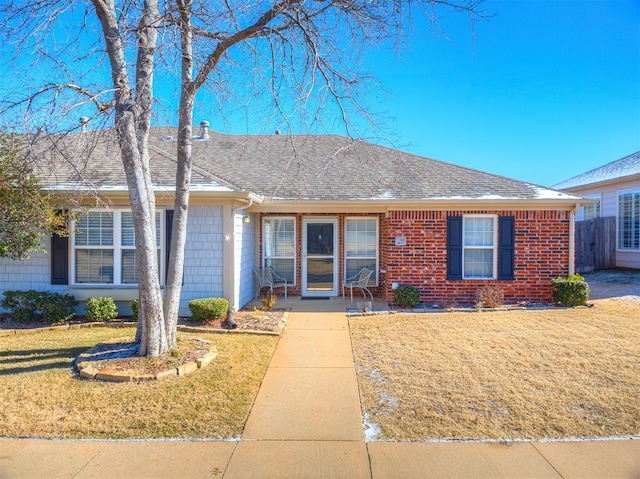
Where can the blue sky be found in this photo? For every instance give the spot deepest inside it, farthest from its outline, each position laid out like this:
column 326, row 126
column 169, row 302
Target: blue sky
column 543, row 91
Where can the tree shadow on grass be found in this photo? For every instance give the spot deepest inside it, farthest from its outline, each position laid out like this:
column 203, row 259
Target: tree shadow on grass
column 32, row 360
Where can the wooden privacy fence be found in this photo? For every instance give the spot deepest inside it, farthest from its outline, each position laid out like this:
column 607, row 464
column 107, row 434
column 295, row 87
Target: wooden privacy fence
column 595, row 244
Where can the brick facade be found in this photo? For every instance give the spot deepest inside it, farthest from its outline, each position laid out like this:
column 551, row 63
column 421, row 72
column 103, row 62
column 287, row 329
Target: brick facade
column 541, row 254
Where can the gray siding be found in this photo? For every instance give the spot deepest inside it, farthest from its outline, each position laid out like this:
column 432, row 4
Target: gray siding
column 202, row 256
column 244, row 260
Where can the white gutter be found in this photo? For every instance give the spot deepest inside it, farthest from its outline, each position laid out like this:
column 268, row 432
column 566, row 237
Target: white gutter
column 229, row 283
column 572, row 238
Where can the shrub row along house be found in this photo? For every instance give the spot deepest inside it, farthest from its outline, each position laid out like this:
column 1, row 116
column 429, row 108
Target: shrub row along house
column 315, row 208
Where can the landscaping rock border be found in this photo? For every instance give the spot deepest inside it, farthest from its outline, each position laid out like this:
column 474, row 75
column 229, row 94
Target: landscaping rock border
column 86, row 369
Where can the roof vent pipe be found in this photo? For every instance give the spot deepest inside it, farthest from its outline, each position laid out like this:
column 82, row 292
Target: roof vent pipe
column 83, row 123
column 204, row 130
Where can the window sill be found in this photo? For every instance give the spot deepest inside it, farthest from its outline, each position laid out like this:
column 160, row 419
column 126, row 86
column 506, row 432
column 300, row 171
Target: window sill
column 118, row 293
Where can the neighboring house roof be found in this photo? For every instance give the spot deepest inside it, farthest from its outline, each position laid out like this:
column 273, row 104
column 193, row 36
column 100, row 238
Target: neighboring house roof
column 616, row 170
column 296, row 167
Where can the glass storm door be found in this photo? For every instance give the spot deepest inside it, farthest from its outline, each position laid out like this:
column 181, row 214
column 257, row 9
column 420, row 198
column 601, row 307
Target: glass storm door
column 319, row 263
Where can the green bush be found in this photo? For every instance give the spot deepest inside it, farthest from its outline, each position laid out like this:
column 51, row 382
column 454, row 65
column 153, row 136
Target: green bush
column 22, row 305
column 101, row 309
column 206, row 309
column 58, row 308
column 571, row 291
column 406, row 296
column 135, row 305
column 27, row 306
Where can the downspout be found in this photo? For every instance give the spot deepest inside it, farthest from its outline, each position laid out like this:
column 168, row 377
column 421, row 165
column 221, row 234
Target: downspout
column 242, row 207
column 572, row 238
column 229, row 265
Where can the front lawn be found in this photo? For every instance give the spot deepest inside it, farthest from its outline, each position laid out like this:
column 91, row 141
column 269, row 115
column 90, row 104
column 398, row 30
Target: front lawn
column 40, row 396
column 555, row 373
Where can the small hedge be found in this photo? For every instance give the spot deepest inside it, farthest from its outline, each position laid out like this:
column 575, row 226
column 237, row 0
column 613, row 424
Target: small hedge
column 27, row 306
column 406, row 296
column 208, row 309
column 101, row 309
column 135, row 306
column 571, row 291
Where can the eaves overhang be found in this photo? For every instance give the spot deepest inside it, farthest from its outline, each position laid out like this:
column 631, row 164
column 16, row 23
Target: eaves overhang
column 197, row 192
column 270, row 205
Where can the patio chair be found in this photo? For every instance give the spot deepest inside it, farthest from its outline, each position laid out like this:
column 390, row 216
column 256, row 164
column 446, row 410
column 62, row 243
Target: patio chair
column 267, row 277
column 360, row 281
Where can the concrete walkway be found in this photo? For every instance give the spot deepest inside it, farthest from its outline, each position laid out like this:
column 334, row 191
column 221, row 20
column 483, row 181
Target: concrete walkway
column 306, row 423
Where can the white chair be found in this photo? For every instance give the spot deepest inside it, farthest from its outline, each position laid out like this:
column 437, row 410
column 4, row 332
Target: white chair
column 360, row 281
column 267, row 277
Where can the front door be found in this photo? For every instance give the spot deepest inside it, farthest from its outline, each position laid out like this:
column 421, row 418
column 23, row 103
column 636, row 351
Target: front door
column 319, row 257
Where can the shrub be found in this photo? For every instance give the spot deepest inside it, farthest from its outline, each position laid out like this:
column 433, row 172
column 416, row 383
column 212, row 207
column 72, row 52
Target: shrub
column 134, row 309
column 22, row 305
column 26, row 306
column 406, row 296
column 489, row 296
column 58, row 308
column 571, row 291
column 206, row 309
column 101, row 309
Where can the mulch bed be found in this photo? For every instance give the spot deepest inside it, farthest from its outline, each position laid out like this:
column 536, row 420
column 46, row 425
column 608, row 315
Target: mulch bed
column 248, row 320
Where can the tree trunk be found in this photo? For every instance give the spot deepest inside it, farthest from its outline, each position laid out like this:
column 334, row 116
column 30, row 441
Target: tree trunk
column 183, row 175
column 132, row 119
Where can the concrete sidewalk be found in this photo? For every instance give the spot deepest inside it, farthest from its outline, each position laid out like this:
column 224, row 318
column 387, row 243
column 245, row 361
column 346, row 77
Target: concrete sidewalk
column 306, row 423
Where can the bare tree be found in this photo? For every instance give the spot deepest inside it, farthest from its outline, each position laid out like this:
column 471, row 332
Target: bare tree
column 302, row 54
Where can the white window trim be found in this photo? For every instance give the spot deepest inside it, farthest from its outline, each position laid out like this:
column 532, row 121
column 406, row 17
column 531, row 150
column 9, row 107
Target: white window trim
column 295, row 244
column 116, row 247
column 377, row 257
column 622, row 192
column 494, row 248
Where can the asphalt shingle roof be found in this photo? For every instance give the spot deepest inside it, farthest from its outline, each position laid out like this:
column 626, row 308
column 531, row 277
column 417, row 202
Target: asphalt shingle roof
column 313, row 167
column 618, row 169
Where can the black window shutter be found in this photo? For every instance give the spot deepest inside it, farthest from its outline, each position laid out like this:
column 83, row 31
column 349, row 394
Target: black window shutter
column 454, row 247
column 506, row 247
column 168, row 229
column 59, row 259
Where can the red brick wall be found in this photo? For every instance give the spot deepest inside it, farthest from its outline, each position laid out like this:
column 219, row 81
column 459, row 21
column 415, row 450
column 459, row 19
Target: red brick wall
column 541, row 254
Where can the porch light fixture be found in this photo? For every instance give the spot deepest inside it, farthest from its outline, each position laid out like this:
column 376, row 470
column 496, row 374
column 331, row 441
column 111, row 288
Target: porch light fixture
column 246, row 219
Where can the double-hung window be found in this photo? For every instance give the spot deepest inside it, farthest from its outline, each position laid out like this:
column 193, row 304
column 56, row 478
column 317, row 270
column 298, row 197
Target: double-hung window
column 104, row 249
column 94, row 248
column 279, row 246
column 629, row 220
column 479, row 247
column 361, row 246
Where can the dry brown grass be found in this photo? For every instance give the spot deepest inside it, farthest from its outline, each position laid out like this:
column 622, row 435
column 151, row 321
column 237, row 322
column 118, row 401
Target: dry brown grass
column 40, row 397
column 502, row 375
